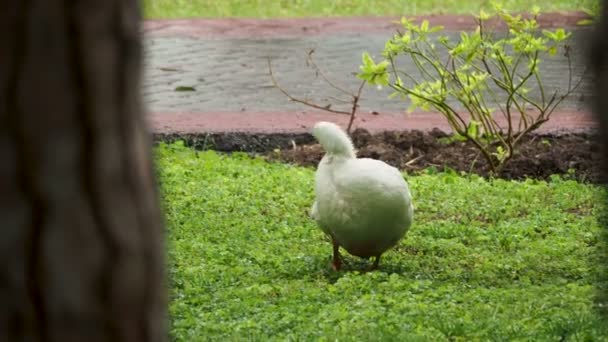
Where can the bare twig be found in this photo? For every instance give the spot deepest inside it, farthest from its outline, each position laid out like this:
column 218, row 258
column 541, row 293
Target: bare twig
column 339, row 99
column 474, row 162
column 414, row 160
column 304, row 102
column 353, row 110
column 310, row 61
column 354, row 101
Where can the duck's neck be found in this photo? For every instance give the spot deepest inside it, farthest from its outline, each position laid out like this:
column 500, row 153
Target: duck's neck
column 333, row 159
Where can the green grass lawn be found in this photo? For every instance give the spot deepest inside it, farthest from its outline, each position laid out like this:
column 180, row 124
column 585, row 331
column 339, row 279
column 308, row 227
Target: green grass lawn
column 484, row 259
column 300, row 8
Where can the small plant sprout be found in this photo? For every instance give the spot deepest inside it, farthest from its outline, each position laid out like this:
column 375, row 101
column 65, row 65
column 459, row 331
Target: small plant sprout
column 487, row 75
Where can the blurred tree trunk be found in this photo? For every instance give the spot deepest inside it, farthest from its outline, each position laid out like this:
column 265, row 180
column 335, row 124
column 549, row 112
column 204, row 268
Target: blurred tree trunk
column 80, row 228
column 599, row 70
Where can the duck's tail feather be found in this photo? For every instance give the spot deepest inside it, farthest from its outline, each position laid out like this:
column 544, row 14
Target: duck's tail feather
column 333, row 139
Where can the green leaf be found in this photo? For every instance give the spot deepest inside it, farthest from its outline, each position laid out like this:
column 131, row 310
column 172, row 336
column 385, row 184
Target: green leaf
column 436, row 29
column 500, row 154
column 443, row 40
column 497, row 6
column 406, row 38
column 368, row 62
column 535, row 10
column 424, row 27
column 585, row 22
column 558, row 35
column 399, row 81
column 483, row 15
column 374, row 73
column 391, row 49
column 407, row 23
column 473, row 129
column 561, row 34
column 533, row 64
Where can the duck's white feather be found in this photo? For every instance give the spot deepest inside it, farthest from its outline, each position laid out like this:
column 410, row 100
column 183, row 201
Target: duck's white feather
column 333, row 139
column 364, row 204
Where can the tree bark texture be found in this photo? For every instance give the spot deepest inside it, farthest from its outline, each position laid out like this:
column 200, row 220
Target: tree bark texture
column 599, row 71
column 598, row 63
column 81, row 239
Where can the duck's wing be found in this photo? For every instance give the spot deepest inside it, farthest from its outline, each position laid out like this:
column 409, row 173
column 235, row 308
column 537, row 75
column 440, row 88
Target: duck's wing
column 369, row 179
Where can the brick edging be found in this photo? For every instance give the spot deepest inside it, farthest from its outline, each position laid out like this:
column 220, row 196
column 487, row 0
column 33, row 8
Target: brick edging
column 298, row 122
column 259, row 28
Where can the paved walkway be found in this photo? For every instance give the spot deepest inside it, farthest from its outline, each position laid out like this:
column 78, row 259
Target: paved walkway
column 224, row 62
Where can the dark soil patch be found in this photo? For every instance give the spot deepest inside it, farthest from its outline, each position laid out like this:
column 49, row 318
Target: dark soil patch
column 538, row 156
column 238, row 142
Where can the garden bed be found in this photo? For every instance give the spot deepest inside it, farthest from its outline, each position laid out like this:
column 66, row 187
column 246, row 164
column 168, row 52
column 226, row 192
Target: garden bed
column 539, row 155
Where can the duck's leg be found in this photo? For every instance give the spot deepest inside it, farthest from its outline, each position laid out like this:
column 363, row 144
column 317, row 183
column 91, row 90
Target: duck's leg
column 376, row 262
column 337, row 260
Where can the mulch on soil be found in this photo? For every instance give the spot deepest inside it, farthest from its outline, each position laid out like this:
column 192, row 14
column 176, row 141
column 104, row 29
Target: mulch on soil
column 537, row 156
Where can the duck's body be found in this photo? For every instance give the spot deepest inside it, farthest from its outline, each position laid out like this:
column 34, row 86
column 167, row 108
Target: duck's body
column 363, row 204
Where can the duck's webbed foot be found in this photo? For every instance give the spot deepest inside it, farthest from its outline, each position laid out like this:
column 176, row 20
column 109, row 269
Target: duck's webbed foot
column 336, row 263
column 375, row 264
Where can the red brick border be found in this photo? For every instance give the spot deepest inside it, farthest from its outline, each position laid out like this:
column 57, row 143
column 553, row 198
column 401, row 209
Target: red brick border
column 258, row 28
column 282, row 122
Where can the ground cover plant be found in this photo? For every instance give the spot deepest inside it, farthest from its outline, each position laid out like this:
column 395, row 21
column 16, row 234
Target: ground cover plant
column 485, row 259
column 302, row 8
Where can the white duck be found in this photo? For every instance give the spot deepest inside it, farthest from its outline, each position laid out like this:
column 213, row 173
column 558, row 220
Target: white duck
column 364, row 204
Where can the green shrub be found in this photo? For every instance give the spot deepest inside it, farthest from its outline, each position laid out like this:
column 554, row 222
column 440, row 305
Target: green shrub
column 475, row 63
